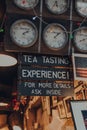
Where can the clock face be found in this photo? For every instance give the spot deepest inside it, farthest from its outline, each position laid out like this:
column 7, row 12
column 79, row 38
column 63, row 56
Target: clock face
column 80, row 39
column 57, row 6
column 23, row 33
column 55, row 36
column 81, row 7
column 26, row 4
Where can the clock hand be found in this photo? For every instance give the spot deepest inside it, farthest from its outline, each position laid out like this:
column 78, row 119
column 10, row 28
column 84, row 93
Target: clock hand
column 83, row 34
column 24, row 1
column 57, row 34
column 25, row 32
column 55, row 4
column 83, row 39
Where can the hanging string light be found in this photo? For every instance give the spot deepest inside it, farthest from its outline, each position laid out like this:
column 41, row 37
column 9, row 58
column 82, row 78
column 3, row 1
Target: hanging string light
column 2, row 23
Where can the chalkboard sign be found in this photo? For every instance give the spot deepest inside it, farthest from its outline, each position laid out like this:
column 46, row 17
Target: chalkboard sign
column 45, row 75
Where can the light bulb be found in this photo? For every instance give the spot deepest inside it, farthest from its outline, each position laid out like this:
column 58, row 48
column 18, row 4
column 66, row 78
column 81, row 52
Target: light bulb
column 7, row 60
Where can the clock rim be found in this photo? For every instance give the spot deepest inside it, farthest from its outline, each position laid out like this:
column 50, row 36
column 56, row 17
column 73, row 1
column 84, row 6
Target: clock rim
column 82, row 15
column 61, row 26
column 55, row 12
column 32, row 24
column 75, row 43
column 26, row 8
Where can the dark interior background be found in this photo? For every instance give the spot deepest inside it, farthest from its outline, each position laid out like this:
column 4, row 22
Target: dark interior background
column 8, row 75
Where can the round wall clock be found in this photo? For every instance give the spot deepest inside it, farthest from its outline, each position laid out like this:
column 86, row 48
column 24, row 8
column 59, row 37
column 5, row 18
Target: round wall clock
column 57, row 6
column 81, row 7
column 23, row 33
column 55, row 36
column 80, row 39
column 26, row 4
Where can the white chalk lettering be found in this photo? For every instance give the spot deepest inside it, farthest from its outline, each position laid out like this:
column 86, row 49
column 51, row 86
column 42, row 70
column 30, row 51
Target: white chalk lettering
column 30, row 59
column 45, row 74
column 29, row 84
column 60, row 85
column 53, row 92
column 55, row 60
column 45, row 85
